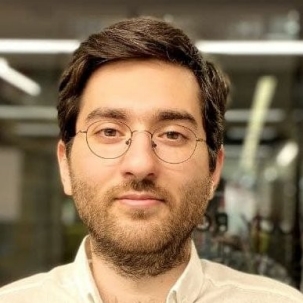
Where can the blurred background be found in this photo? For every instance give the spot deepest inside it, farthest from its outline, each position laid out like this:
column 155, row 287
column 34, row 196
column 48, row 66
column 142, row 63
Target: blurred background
column 254, row 222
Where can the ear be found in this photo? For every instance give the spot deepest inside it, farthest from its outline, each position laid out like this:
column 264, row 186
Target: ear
column 64, row 167
column 216, row 175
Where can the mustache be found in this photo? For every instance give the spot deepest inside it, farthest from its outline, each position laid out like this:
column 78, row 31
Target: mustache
column 144, row 185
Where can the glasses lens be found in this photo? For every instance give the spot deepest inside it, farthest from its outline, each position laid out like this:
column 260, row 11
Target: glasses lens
column 108, row 140
column 171, row 143
column 174, row 143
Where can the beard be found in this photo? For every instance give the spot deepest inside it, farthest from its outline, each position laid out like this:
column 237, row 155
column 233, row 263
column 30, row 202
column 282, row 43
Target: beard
column 142, row 246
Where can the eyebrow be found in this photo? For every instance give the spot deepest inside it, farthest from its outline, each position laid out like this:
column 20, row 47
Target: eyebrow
column 108, row 113
column 158, row 116
column 170, row 115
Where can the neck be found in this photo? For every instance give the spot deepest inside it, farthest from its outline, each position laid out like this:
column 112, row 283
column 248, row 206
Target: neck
column 116, row 286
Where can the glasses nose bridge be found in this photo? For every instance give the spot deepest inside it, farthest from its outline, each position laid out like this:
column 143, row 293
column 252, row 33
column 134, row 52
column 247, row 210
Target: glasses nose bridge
column 142, row 131
column 153, row 145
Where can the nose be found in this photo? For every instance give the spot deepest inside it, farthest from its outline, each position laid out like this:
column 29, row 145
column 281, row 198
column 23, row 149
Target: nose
column 140, row 162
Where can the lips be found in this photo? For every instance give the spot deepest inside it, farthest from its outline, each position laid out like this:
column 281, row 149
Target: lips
column 139, row 199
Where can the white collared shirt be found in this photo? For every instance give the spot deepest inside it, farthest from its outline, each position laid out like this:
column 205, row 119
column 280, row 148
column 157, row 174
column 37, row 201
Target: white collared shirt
column 201, row 282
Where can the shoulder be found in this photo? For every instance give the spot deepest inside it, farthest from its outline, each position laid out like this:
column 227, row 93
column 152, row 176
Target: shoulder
column 45, row 286
column 246, row 287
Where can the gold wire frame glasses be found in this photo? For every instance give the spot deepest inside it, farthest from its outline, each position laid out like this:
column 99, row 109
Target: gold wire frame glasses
column 171, row 143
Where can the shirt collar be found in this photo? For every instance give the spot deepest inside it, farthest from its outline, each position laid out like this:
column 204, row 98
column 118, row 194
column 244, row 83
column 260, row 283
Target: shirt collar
column 83, row 274
column 188, row 287
column 185, row 290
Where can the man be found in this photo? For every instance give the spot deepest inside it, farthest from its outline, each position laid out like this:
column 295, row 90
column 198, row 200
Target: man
column 140, row 114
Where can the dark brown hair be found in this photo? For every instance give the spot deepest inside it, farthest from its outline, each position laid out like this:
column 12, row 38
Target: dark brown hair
column 143, row 38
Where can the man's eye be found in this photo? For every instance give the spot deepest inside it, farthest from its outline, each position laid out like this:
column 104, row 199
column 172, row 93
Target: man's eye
column 108, row 132
column 172, row 135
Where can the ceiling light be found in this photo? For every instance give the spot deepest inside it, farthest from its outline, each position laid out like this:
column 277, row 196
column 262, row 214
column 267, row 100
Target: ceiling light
column 274, row 115
column 263, row 95
column 226, row 47
column 267, row 47
column 31, row 112
column 33, row 129
column 239, row 133
column 37, row 46
column 288, row 153
column 17, row 79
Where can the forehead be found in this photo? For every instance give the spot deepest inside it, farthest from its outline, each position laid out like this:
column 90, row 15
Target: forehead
column 140, row 89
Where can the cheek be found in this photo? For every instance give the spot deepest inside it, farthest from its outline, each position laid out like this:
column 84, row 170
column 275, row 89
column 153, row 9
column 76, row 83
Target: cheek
column 189, row 171
column 177, row 179
column 88, row 167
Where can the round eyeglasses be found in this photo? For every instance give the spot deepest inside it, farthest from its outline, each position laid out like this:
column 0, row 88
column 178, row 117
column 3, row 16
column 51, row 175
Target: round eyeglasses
column 172, row 143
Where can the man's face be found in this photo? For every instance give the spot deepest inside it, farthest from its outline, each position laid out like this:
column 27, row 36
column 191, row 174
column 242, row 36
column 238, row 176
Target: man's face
column 137, row 202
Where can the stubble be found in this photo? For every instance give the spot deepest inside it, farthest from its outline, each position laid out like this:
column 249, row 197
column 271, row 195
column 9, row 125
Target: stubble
column 152, row 248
